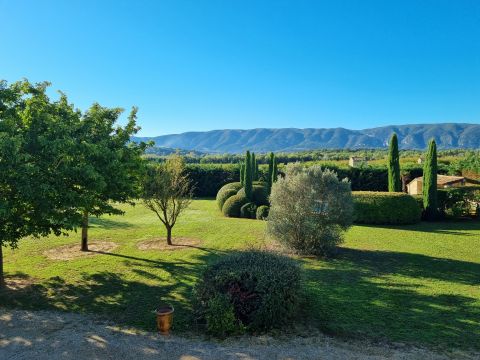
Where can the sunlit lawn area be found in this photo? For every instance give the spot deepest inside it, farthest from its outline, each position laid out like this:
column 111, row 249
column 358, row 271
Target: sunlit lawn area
column 418, row 284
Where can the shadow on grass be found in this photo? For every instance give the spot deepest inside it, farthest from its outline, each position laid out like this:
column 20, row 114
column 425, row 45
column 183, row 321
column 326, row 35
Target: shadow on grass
column 120, row 297
column 381, row 295
column 458, row 227
column 105, row 223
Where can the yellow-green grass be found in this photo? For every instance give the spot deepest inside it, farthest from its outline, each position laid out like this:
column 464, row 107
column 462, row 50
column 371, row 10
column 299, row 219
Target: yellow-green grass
column 416, row 284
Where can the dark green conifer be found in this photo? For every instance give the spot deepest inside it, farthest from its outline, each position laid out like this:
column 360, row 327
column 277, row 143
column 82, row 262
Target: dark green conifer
column 430, row 182
column 394, row 181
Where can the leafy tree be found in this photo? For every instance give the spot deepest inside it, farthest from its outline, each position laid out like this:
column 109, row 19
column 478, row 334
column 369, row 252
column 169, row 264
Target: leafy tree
column 310, row 209
column 110, row 165
column 394, row 181
column 430, row 203
column 167, row 192
column 37, row 164
column 248, row 176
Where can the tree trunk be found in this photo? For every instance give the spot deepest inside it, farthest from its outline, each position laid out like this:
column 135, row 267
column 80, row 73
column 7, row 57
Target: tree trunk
column 2, row 279
column 169, row 235
column 85, row 231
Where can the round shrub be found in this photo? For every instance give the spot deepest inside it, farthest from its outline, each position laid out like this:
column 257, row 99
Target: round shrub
column 248, row 211
column 259, row 194
column 385, row 208
column 310, row 210
column 227, row 191
column 232, row 206
column 262, row 212
column 262, row 287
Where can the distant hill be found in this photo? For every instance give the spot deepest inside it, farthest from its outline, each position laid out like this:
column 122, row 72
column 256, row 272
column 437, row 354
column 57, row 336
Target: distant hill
column 448, row 136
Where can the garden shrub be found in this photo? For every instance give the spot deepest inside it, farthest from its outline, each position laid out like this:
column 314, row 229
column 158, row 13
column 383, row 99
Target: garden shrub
column 259, row 194
column 310, row 210
column 458, row 201
column 263, row 288
column 262, row 212
column 248, row 211
column 232, row 206
column 227, row 191
column 386, row 208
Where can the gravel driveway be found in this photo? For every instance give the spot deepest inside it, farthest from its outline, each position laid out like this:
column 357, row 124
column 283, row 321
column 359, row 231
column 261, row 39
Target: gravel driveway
column 53, row 335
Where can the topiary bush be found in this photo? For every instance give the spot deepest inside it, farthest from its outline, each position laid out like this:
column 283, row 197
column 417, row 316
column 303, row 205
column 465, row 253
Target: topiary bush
column 262, row 212
column 248, row 211
column 227, row 191
column 259, row 194
column 233, row 205
column 385, row 208
column 263, row 288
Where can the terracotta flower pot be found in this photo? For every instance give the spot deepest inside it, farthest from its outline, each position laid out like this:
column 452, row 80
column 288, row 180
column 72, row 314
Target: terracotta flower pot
column 164, row 319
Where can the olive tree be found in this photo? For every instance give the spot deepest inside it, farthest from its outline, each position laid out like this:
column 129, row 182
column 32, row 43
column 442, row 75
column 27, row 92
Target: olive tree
column 310, row 209
column 167, row 191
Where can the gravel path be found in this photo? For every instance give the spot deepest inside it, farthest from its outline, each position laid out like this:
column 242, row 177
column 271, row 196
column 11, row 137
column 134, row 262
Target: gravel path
column 53, row 335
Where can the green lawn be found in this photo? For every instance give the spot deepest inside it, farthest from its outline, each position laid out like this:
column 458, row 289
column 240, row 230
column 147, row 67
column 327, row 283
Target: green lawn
column 418, row 284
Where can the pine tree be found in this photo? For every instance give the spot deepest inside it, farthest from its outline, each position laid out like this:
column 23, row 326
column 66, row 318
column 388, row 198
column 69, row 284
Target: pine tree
column 242, row 173
column 430, row 182
column 248, row 176
column 394, row 182
column 274, row 171
column 271, row 160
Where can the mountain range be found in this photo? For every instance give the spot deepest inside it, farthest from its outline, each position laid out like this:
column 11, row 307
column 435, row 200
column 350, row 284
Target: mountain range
column 447, row 136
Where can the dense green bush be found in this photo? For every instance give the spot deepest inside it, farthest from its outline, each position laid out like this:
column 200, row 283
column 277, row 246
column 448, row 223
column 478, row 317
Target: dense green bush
column 227, row 191
column 232, row 206
column 259, row 194
column 262, row 212
column 459, row 201
column 248, row 211
column 385, row 208
column 263, row 288
column 310, row 210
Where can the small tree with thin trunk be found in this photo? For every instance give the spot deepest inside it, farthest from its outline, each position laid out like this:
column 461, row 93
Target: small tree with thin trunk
column 394, row 181
column 167, row 192
column 430, row 182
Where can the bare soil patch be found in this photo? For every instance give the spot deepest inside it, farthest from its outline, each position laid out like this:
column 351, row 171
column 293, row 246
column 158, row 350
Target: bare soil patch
column 14, row 283
column 179, row 243
column 72, row 251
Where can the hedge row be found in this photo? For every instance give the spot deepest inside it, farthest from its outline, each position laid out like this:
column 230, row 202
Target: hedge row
column 385, row 208
column 209, row 178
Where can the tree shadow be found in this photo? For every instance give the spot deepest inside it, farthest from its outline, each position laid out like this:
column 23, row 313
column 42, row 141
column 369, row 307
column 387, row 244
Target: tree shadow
column 106, row 223
column 468, row 227
column 357, row 295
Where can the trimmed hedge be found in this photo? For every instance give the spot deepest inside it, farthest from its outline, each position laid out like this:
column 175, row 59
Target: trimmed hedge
column 233, row 205
column 227, row 191
column 259, row 194
column 385, row 208
column 248, row 211
column 263, row 288
column 262, row 212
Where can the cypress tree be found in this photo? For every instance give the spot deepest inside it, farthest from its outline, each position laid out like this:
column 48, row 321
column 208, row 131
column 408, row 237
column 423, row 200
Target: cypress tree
column 254, row 167
column 394, row 182
column 274, row 170
column 430, row 182
column 248, row 176
column 270, row 171
column 242, row 173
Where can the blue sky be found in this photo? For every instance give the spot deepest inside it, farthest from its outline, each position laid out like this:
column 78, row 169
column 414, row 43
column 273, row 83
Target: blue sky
column 203, row 65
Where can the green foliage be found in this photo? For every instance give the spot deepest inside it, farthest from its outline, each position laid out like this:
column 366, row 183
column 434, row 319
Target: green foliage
column 430, row 203
column 263, row 288
column 393, row 165
column 242, row 173
column 259, row 194
column 233, row 205
column 385, row 208
column 248, row 211
column 248, row 176
column 227, row 191
column 262, row 212
column 271, row 161
column 254, row 167
column 310, row 210
column 274, row 171
column 220, row 317
column 459, row 201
